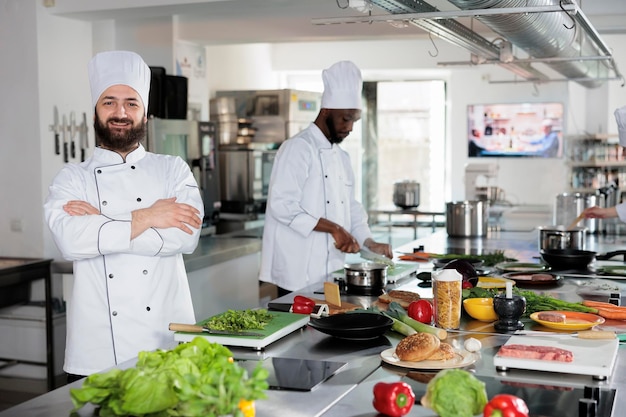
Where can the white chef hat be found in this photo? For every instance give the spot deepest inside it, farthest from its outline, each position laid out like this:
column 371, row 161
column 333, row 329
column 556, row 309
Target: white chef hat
column 342, row 86
column 620, row 118
column 119, row 67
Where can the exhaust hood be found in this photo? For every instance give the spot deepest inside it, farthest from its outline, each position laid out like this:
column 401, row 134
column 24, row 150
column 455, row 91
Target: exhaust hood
column 555, row 33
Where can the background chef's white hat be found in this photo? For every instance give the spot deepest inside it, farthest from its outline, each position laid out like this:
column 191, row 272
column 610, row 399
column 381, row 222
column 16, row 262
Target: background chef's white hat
column 620, row 117
column 119, row 67
column 342, row 86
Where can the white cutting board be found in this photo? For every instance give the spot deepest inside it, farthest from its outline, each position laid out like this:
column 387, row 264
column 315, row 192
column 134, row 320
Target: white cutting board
column 591, row 356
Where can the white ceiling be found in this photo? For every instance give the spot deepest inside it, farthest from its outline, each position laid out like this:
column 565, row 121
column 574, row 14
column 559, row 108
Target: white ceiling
column 214, row 22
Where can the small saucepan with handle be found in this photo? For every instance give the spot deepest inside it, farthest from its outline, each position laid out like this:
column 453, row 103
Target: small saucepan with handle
column 566, row 259
column 365, row 278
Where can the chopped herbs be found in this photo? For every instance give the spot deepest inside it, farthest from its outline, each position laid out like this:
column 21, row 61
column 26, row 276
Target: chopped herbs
column 240, row 320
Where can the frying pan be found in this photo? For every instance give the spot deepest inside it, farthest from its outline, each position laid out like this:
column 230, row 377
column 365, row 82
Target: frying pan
column 563, row 259
column 353, row 326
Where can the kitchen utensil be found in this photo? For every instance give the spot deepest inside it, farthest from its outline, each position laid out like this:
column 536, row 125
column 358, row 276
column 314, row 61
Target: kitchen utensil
column 64, row 128
column 353, row 326
column 73, row 128
column 281, row 325
column 533, row 278
column 368, row 278
column 467, row 218
column 373, row 256
column 192, row 328
column 521, row 267
column 591, row 356
column 462, row 359
column 83, row 138
column 563, row 259
column 509, row 311
column 56, row 128
column 573, row 321
column 558, row 237
column 576, row 221
column 480, row 309
column 406, row 194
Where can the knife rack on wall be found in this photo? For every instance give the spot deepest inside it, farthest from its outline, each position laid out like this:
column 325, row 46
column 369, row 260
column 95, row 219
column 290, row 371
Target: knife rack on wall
column 65, row 136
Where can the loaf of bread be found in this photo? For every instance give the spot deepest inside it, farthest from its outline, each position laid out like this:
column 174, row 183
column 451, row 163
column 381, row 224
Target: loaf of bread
column 404, row 298
column 417, row 347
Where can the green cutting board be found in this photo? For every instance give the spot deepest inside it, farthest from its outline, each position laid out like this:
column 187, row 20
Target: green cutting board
column 281, row 325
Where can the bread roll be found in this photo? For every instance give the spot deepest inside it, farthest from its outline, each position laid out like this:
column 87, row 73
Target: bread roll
column 404, row 298
column 445, row 352
column 417, row 347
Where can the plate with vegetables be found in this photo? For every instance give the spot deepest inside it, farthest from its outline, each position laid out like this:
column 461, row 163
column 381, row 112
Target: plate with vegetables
column 462, row 359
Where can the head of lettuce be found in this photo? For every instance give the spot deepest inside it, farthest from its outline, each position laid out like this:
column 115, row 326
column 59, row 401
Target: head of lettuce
column 455, row 393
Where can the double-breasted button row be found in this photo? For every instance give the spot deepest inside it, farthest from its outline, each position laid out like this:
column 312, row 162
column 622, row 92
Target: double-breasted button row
column 145, row 272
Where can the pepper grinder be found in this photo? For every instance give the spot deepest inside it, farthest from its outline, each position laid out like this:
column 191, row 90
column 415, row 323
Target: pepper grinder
column 509, row 309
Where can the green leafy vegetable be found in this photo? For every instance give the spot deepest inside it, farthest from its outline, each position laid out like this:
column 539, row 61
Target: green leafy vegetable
column 198, row 378
column 240, row 320
column 455, row 393
column 489, row 259
column 537, row 302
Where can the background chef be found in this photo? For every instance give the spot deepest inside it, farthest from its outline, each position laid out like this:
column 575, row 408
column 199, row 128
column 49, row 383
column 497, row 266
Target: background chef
column 312, row 218
column 124, row 217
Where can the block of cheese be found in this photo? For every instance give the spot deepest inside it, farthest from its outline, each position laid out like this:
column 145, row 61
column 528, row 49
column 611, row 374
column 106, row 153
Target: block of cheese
column 332, row 294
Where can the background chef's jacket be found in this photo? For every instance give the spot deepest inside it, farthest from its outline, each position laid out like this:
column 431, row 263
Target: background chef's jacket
column 311, row 178
column 125, row 291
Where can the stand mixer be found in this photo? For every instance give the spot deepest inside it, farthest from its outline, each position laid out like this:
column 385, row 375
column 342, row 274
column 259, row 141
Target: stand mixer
column 479, row 175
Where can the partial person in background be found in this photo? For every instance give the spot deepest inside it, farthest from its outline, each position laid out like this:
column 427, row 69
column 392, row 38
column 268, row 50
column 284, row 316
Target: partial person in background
column 618, row 210
column 124, row 217
column 312, row 218
column 548, row 144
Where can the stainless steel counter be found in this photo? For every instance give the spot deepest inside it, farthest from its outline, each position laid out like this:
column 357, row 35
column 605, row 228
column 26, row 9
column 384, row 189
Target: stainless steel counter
column 349, row 392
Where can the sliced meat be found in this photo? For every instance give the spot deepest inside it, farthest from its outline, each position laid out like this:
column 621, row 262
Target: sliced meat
column 544, row 353
column 551, row 316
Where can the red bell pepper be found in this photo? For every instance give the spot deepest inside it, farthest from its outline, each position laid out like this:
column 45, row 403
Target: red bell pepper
column 421, row 310
column 395, row 399
column 302, row 305
column 506, row 405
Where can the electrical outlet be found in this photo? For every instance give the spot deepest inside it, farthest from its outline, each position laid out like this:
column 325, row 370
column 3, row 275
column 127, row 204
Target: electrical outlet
column 16, row 225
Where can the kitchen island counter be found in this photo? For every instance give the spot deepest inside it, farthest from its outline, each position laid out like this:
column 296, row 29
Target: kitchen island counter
column 349, row 392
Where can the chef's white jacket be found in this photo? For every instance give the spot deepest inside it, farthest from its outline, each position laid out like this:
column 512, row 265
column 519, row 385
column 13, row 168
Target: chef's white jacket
column 311, row 179
column 125, row 291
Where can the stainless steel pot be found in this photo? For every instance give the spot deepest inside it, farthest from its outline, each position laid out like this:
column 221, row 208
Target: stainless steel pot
column 368, row 278
column 406, row 194
column 557, row 237
column 467, row 218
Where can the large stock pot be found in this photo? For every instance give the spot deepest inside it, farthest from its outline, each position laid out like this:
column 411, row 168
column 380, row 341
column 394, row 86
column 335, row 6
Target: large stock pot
column 467, row 218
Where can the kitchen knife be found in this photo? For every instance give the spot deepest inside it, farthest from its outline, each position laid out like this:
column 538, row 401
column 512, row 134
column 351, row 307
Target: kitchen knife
column 372, row 256
column 64, row 132
column 193, row 328
column 72, row 134
column 84, row 144
column 55, row 129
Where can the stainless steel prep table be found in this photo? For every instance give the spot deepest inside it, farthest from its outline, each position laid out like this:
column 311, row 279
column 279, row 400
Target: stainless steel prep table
column 349, row 392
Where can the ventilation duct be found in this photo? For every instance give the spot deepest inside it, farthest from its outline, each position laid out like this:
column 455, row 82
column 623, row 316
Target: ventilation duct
column 544, row 35
column 553, row 32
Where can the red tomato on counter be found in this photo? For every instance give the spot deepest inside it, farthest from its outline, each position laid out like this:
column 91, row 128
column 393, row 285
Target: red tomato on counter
column 421, row 310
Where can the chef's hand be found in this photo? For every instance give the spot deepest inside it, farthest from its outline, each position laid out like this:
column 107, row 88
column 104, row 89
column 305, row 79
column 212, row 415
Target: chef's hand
column 79, row 208
column 600, row 213
column 379, row 248
column 344, row 241
column 163, row 214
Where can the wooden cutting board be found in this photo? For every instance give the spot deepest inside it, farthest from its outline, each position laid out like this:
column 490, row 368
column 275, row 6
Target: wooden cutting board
column 591, row 356
column 345, row 306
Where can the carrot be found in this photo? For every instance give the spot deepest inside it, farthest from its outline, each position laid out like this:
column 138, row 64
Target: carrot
column 612, row 314
column 601, row 304
column 412, row 258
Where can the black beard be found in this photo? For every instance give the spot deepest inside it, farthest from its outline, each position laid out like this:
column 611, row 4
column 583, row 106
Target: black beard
column 124, row 142
column 332, row 131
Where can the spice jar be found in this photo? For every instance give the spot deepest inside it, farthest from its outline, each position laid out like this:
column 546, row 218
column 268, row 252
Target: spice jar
column 447, row 297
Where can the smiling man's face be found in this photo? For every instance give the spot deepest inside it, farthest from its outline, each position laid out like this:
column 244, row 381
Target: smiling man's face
column 120, row 122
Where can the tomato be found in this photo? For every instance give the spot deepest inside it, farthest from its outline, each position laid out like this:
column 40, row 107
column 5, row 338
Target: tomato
column 421, row 310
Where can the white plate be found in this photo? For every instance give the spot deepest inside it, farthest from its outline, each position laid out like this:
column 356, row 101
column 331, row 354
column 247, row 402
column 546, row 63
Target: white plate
column 462, row 359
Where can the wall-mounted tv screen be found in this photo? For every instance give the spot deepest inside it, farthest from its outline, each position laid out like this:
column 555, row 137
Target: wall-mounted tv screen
column 515, row 130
